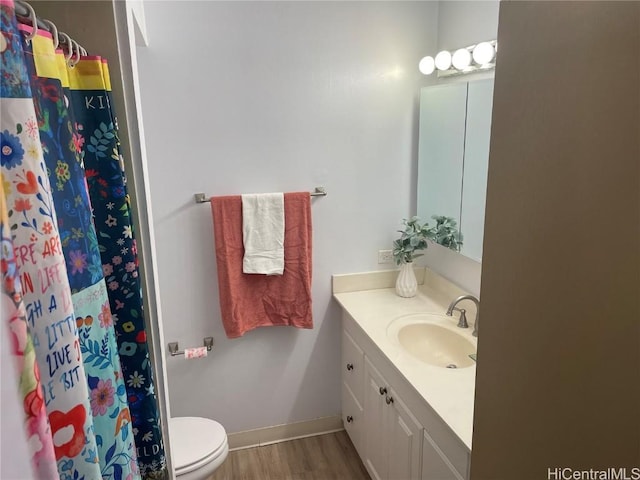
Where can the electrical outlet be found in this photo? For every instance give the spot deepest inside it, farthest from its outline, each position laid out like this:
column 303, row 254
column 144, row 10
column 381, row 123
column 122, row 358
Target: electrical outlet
column 385, row 256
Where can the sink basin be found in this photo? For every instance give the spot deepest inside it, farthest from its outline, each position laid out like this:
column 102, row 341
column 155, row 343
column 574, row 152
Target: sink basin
column 433, row 339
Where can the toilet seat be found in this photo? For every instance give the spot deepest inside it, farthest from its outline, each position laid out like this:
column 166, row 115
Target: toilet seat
column 196, row 442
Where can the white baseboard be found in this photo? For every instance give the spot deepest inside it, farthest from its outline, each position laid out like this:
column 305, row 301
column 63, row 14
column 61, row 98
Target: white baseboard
column 282, row 433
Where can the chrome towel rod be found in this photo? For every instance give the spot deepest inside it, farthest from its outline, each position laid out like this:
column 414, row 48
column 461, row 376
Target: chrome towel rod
column 317, row 192
column 174, row 348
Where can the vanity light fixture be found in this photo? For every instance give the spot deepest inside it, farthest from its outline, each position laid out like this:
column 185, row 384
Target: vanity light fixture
column 474, row 58
column 443, row 60
column 427, row 65
column 483, row 53
column 461, row 59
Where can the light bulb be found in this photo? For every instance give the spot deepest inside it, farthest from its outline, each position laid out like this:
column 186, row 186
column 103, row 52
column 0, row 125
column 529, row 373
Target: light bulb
column 443, row 60
column 461, row 59
column 427, row 65
column 483, row 53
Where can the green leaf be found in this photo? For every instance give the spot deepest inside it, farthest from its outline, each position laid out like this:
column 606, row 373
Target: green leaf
column 19, row 128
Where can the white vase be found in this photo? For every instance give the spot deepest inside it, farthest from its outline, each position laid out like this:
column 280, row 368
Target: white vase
column 406, row 283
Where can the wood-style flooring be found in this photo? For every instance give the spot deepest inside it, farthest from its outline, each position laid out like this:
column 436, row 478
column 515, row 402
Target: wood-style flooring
column 323, row 457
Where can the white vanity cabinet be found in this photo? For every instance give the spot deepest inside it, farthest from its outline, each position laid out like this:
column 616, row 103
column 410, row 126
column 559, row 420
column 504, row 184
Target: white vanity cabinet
column 396, row 433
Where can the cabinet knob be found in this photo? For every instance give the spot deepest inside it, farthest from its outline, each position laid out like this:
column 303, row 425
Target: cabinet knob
column 349, row 366
column 349, row 419
column 389, row 400
column 383, row 390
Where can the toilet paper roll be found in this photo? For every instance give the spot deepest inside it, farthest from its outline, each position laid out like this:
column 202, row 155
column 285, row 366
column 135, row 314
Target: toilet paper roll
column 196, row 352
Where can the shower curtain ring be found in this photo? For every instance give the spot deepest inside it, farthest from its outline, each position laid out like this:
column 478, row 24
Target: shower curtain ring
column 33, row 19
column 67, row 41
column 77, row 54
column 54, row 32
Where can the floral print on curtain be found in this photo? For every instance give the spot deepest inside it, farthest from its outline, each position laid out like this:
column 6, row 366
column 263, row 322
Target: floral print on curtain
column 45, row 286
column 107, row 392
column 43, row 458
column 112, row 214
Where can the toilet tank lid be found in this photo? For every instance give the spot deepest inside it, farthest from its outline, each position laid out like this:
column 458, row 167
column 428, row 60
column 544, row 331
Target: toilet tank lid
column 194, row 438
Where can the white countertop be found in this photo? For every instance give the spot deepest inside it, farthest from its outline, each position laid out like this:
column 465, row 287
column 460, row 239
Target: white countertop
column 449, row 392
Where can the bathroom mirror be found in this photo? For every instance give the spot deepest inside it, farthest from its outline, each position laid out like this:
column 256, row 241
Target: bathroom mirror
column 453, row 155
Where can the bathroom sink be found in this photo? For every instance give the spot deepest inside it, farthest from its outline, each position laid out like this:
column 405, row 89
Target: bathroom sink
column 433, row 339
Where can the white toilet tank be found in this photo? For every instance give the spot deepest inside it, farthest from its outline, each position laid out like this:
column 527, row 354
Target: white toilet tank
column 198, row 446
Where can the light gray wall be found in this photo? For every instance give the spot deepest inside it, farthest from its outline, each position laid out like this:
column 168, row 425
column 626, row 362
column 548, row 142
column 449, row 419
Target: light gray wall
column 464, row 23
column 243, row 97
column 559, row 345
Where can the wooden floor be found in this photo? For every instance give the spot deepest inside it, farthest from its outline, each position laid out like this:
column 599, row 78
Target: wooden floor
column 324, row 457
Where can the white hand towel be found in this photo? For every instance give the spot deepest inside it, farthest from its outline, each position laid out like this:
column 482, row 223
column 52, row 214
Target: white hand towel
column 263, row 233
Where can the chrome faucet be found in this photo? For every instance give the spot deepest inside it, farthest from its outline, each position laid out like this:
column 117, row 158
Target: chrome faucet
column 462, row 322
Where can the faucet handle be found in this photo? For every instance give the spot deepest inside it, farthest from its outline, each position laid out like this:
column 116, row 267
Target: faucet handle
column 462, row 321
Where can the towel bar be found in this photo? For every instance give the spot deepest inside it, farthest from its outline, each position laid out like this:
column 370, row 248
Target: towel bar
column 173, row 346
column 317, row 192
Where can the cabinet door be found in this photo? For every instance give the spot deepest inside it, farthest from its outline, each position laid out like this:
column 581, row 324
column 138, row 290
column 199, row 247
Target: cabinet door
column 435, row 466
column 405, row 441
column 353, row 418
column 376, row 419
column 353, row 366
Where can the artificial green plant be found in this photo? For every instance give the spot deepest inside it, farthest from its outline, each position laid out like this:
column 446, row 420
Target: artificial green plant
column 445, row 232
column 412, row 239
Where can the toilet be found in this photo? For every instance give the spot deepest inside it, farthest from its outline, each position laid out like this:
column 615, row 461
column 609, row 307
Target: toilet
column 198, row 446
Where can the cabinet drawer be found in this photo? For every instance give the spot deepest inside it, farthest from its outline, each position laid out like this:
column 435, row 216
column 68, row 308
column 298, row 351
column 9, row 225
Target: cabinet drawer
column 353, row 367
column 353, row 418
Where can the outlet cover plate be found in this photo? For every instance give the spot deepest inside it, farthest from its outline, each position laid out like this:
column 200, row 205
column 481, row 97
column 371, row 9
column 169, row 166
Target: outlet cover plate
column 385, row 256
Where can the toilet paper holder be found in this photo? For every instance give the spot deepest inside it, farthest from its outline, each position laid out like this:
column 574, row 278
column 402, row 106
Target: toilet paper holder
column 174, row 349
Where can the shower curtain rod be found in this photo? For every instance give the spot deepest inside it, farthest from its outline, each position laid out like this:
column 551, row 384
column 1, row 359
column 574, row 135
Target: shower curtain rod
column 317, row 192
column 22, row 11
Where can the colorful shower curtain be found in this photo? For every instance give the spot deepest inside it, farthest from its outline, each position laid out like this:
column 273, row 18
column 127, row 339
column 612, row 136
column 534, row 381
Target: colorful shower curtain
column 107, row 392
column 79, row 341
column 97, row 124
column 43, row 458
column 42, row 266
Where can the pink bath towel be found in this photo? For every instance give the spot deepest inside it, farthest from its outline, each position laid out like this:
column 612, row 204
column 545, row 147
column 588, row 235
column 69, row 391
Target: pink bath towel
column 248, row 301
